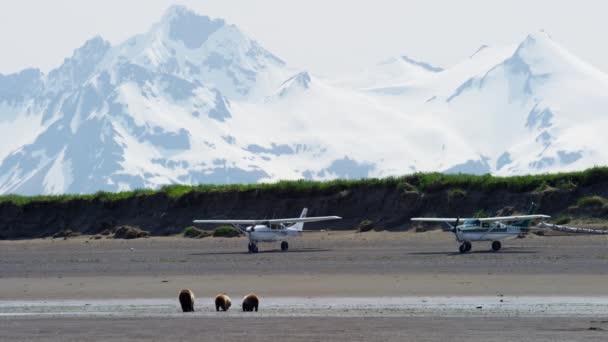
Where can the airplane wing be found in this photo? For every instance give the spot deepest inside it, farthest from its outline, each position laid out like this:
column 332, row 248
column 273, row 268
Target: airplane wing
column 512, row 218
column 243, row 222
column 484, row 219
column 435, row 219
column 285, row 220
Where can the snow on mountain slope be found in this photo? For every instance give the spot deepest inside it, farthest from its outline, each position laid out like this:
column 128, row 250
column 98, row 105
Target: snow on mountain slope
column 335, row 126
column 199, row 49
column 24, row 118
column 393, row 72
column 426, row 88
column 520, row 108
column 194, row 100
column 22, row 111
column 527, row 108
column 145, row 113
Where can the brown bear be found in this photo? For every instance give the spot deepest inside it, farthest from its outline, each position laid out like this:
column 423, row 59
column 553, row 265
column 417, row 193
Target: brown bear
column 222, row 301
column 251, row 302
column 186, row 299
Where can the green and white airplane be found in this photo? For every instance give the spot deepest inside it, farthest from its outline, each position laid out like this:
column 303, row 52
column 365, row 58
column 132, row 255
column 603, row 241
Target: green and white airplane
column 491, row 229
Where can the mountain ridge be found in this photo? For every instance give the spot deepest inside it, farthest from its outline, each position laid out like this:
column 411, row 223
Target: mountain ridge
column 194, row 100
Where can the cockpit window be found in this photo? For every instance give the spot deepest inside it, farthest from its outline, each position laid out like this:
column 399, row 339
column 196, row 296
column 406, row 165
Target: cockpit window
column 471, row 223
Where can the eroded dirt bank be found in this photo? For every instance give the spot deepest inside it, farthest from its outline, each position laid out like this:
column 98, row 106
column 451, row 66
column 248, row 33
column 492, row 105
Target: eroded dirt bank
column 388, row 206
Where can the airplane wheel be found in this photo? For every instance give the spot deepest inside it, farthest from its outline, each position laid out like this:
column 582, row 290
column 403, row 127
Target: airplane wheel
column 496, row 246
column 462, row 248
column 284, row 246
column 468, row 246
column 253, row 248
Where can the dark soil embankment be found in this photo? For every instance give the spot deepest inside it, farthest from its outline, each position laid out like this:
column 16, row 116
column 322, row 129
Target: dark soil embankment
column 389, row 204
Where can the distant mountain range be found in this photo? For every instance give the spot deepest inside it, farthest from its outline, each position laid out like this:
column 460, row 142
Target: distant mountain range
column 195, row 100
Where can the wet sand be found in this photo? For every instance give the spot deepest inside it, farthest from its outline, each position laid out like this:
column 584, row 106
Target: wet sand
column 345, row 267
column 313, row 319
column 303, row 329
column 369, row 307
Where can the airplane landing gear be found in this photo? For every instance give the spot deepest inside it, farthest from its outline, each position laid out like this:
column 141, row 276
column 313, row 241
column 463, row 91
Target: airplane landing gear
column 284, row 246
column 253, row 248
column 496, row 246
column 465, row 247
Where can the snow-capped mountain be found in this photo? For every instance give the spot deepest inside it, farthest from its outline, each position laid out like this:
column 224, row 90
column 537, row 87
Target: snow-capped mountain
column 195, row 100
column 199, row 49
column 541, row 109
column 147, row 112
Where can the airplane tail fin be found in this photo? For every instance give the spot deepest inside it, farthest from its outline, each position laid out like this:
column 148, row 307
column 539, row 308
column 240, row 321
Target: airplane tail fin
column 300, row 225
column 526, row 223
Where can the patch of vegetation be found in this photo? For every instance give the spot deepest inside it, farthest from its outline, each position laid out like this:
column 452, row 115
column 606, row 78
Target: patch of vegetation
column 302, row 186
column 591, row 221
column 128, row 232
column 438, row 181
column 195, row 233
column 422, row 228
column 562, row 220
column 66, row 233
column 455, row 194
column 226, row 231
column 592, row 202
column 565, row 184
column 366, row 226
column 420, row 182
column 544, row 187
column 481, row 214
column 406, row 187
column 101, row 196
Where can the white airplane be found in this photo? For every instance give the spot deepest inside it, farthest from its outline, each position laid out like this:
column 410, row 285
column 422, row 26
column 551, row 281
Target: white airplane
column 494, row 229
column 274, row 230
column 486, row 229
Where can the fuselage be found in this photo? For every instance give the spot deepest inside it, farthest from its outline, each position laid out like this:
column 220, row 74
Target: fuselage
column 272, row 233
column 474, row 230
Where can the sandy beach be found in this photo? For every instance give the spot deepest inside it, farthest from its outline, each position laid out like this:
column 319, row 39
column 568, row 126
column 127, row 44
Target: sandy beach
column 332, row 285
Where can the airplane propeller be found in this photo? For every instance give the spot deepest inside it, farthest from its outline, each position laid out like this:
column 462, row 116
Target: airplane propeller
column 456, row 225
column 242, row 230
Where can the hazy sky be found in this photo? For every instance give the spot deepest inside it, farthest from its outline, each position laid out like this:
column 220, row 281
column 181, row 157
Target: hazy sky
column 324, row 36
